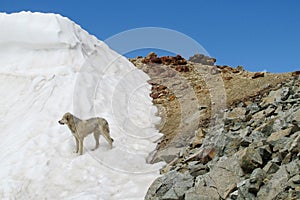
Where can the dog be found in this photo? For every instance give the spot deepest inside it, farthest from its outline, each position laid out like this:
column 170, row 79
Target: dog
column 82, row 128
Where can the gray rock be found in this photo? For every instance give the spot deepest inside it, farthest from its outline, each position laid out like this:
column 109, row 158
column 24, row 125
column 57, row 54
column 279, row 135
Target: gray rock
column 172, row 185
column 232, row 144
column 275, row 185
column 237, row 113
column 293, row 168
column 271, row 167
column 295, row 117
column 265, row 153
column 170, row 195
column 252, row 108
column 295, row 145
column 256, row 180
column 224, row 176
column 243, row 191
column 285, row 92
column 279, row 137
column 274, row 96
column 202, row 193
column 196, row 168
column 257, row 136
column 294, row 181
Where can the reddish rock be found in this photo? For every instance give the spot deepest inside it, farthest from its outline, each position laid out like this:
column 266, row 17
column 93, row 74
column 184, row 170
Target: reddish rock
column 258, row 74
column 296, row 73
column 202, row 59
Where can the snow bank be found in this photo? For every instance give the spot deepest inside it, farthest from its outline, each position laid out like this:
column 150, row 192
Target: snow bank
column 48, row 66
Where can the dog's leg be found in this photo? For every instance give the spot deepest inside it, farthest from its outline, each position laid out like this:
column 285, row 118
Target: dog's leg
column 77, row 144
column 107, row 137
column 96, row 136
column 80, row 146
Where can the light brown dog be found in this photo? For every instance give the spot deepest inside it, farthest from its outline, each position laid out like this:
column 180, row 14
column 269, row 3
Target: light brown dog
column 82, row 128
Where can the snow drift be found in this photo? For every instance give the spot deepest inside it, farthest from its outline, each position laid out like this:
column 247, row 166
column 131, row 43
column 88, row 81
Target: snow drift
column 48, row 66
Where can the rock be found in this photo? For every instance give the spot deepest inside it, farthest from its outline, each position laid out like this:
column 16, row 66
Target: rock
column 256, row 180
column 295, row 146
column 294, row 181
column 285, row 92
column 172, row 186
column 232, row 144
column 243, row 191
column 196, row 168
column 224, row 177
column 275, row 185
column 198, row 139
column 278, row 135
column 293, row 168
column 271, row 167
column 170, row 195
column 166, row 155
column 203, row 193
column 237, row 113
column 295, row 117
column 265, row 153
column 274, row 96
column 252, row 108
column 200, row 58
column 258, row 74
column 249, row 159
column 259, row 116
column 203, row 155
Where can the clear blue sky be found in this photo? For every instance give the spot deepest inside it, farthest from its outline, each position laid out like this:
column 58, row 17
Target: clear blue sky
column 258, row 34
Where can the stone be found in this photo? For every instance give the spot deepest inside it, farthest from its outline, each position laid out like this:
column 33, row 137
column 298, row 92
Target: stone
column 197, row 168
column 274, row 96
column 271, row 167
column 181, row 187
column 274, row 186
column 252, row 108
column 198, row 139
column 203, row 193
column 166, row 155
column 171, row 186
column 294, row 181
column 256, row 180
column 293, row 168
column 265, row 153
column 200, row 58
column 243, row 192
column 232, row 144
column 295, row 146
column 249, row 159
column 295, row 117
column 258, row 116
column 237, row 113
column 276, row 136
column 285, row 92
column 224, row 177
column 170, row 195
column 258, row 75
column 204, row 155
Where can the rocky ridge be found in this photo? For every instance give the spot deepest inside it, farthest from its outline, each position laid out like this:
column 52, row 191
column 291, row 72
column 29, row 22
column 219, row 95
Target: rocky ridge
column 249, row 149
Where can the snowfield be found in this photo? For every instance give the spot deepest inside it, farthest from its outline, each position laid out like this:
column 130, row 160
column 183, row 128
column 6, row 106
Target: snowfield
column 48, row 66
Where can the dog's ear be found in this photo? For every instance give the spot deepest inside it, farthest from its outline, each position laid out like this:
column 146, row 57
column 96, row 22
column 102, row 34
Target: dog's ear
column 68, row 116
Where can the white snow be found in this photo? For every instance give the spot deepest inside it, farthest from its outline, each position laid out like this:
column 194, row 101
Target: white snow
column 48, row 66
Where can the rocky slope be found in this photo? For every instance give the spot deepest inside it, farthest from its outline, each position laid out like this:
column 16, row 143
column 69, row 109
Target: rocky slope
column 228, row 133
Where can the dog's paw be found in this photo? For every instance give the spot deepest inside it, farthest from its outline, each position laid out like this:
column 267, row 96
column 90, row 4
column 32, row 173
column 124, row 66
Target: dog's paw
column 75, row 152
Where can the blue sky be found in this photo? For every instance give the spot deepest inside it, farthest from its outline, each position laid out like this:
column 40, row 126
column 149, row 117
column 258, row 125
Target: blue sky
column 258, row 34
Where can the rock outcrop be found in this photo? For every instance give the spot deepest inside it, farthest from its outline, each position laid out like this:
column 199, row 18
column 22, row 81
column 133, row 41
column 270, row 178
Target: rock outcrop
column 252, row 153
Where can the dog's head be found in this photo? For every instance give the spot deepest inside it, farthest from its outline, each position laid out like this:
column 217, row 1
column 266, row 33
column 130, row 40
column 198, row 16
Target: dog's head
column 65, row 119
